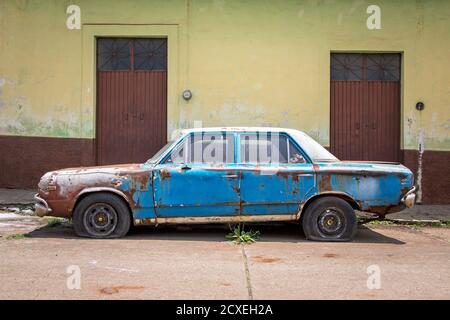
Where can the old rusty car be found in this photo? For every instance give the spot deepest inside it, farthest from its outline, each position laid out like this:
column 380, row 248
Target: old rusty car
column 228, row 175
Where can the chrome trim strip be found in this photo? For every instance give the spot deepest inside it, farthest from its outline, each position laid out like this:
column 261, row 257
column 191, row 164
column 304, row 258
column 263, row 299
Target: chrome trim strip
column 216, row 219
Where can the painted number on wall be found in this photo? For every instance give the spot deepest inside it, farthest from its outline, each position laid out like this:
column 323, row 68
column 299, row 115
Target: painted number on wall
column 74, row 19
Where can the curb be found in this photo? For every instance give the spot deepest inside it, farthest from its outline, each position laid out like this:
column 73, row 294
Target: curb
column 20, row 209
column 406, row 222
column 433, row 223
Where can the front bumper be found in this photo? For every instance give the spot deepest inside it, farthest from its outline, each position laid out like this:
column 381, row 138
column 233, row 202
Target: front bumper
column 41, row 207
column 409, row 198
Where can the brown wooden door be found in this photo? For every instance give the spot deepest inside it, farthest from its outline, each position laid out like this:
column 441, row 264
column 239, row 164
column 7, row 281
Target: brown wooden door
column 365, row 106
column 131, row 99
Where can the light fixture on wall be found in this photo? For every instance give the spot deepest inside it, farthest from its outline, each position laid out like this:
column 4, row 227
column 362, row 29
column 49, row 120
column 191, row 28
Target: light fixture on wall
column 187, row 94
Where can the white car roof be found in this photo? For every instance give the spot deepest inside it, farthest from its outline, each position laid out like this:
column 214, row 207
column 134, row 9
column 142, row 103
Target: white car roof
column 239, row 129
column 311, row 147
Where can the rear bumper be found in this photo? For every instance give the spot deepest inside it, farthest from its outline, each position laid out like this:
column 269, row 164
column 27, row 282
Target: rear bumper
column 41, row 207
column 409, row 198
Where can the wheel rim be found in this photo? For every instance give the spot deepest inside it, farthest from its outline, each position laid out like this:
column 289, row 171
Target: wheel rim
column 100, row 219
column 331, row 221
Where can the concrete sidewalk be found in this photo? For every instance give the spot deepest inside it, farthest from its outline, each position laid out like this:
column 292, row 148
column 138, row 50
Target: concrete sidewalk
column 19, row 198
column 13, row 197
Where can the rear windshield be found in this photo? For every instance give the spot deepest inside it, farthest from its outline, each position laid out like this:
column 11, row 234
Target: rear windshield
column 313, row 149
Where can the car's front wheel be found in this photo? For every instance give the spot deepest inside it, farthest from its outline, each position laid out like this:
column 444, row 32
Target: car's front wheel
column 329, row 219
column 101, row 215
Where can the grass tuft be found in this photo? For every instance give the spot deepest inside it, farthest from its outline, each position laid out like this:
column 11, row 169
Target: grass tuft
column 239, row 236
column 54, row 222
column 17, row 236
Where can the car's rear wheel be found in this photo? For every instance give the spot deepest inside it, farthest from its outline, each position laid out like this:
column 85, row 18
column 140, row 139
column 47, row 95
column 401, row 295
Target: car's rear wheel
column 329, row 219
column 101, row 215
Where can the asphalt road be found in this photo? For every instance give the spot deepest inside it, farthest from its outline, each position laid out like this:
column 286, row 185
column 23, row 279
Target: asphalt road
column 197, row 263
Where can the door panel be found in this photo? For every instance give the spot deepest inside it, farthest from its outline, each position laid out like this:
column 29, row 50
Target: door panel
column 347, row 124
column 365, row 106
column 131, row 99
column 383, row 119
column 274, row 190
column 149, row 113
column 275, row 176
column 201, row 191
column 113, row 116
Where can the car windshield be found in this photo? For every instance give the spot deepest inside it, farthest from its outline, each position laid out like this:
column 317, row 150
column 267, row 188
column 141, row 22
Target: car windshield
column 163, row 150
column 314, row 150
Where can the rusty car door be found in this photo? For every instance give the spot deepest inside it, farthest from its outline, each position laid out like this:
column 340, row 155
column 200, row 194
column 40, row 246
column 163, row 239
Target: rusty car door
column 273, row 186
column 185, row 186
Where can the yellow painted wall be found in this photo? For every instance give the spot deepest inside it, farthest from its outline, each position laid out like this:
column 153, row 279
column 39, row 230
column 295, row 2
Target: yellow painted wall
column 251, row 62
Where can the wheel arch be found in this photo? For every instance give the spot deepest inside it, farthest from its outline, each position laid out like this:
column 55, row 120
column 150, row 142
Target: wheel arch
column 88, row 191
column 342, row 195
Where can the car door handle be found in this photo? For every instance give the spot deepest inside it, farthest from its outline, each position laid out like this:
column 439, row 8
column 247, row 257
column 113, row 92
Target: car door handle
column 231, row 176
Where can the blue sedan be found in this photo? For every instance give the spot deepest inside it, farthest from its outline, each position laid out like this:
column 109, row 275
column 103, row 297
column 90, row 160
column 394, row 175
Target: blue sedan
column 228, row 175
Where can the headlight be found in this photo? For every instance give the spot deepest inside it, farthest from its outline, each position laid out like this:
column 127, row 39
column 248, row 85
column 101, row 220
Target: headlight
column 47, row 182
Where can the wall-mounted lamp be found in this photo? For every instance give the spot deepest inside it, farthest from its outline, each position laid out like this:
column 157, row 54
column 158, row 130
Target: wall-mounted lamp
column 187, row 94
column 420, row 106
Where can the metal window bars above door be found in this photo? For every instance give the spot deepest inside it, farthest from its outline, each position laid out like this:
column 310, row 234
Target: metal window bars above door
column 125, row 54
column 365, row 66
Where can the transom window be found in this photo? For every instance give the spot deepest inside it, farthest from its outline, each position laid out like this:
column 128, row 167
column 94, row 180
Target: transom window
column 211, row 148
column 365, row 66
column 268, row 148
column 121, row 54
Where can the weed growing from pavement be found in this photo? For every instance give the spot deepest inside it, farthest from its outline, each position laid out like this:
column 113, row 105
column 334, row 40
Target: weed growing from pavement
column 17, row 236
column 382, row 222
column 239, row 236
column 414, row 224
column 374, row 221
column 445, row 223
column 53, row 222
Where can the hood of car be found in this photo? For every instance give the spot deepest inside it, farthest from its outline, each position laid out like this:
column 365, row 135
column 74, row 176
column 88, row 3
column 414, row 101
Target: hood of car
column 64, row 180
column 113, row 169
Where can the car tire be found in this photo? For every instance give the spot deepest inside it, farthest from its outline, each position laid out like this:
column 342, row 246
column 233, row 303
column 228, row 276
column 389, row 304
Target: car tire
column 101, row 216
column 329, row 219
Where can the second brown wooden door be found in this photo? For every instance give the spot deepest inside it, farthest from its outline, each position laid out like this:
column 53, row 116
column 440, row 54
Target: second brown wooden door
column 365, row 106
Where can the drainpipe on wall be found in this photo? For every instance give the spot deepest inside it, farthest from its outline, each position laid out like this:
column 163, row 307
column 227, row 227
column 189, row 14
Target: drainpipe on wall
column 421, row 148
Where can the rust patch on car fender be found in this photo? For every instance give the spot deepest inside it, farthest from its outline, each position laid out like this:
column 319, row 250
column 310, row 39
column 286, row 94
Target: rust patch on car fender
column 165, row 174
column 381, row 211
column 325, row 183
column 71, row 182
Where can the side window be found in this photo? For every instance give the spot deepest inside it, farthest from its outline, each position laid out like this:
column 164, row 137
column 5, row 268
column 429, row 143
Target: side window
column 268, row 148
column 210, row 148
column 295, row 156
